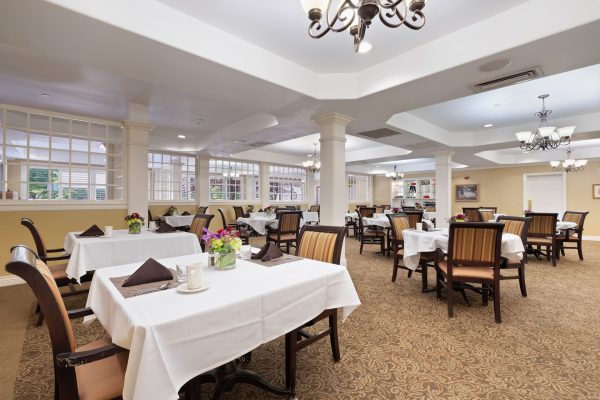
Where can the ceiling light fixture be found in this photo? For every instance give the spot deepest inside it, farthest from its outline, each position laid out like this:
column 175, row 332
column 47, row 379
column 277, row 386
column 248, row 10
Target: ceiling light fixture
column 181, row 136
column 570, row 164
column 488, row 125
column 545, row 137
column 313, row 164
column 395, row 175
column 45, row 95
column 356, row 16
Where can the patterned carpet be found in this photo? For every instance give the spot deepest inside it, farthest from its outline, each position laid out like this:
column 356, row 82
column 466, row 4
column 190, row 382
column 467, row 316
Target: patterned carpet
column 400, row 344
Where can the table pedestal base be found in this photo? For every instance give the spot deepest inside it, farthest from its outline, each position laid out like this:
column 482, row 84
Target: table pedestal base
column 225, row 377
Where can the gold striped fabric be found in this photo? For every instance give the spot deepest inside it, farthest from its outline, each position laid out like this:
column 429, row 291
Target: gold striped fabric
column 317, row 246
column 366, row 212
column 45, row 271
column 379, row 210
column 197, row 225
column 572, row 217
column 201, row 210
column 514, row 227
column 239, row 212
column 400, row 224
column 472, row 214
column 474, row 245
column 541, row 225
column 314, row 209
column 288, row 222
column 413, row 219
column 486, row 215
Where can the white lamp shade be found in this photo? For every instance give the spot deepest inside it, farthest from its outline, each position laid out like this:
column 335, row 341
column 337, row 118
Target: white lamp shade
column 580, row 163
column 523, row 136
column 546, row 131
column 569, row 162
column 554, row 164
column 308, row 5
column 567, row 131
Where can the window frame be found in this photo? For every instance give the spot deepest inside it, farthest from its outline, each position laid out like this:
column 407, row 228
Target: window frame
column 304, row 184
column 254, row 197
column 194, row 174
column 350, row 190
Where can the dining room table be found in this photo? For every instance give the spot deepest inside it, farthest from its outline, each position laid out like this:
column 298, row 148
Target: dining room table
column 177, row 221
column 93, row 253
column 260, row 221
column 417, row 242
column 173, row 337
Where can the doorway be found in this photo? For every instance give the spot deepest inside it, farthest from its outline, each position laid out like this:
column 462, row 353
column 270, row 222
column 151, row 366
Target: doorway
column 545, row 192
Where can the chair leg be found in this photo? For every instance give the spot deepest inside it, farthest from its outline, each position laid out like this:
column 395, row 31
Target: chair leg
column 382, row 246
column 361, row 245
column 395, row 269
column 580, row 249
column 450, row 295
column 287, row 247
column 438, row 285
column 40, row 320
column 291, row 341
column 424, row 278
column 522, row 281
column 553, row 254
column 333, row 336
column 497, row 301
column 547, row 253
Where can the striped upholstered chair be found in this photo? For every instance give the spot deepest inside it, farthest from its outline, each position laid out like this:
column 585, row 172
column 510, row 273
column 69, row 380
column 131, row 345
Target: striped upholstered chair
column 200, row 222
column 414, row 217
column 574, row 235
column 472, row 214
column 379, row 209
column 486, row 214
column 473, row 257
column 542, row 233
column 201, row 210
column 518, row 226
column 321, row 243
column 93, row 371
column 369, row 234
column 287, row 230
column 244, row 234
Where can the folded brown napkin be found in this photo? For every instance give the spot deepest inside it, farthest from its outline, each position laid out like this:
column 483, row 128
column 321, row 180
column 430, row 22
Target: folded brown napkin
column 185, row 213
column 150, row 271
column 261, row 253
column 272, row 253
column 165, row 228
column 92, row 231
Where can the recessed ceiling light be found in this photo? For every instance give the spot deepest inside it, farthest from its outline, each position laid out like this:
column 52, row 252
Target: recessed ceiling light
column 181, row 136
column 497, row 105
column 364, row 47
column 488, row 125
column 45, row 95
column 526, row 152
column 495, row 65
column 199, row 121
column 239, row 141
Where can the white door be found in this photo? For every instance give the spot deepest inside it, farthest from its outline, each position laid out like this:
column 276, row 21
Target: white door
column 545, row 192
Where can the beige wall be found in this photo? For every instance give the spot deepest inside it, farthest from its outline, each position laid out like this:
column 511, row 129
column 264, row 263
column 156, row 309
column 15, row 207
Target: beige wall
column 53, row 226
column 382, row 190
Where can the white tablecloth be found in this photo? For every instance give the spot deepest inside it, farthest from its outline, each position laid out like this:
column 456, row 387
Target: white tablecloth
column 382, row 222
column 178, row 220
column 88, row 254
column 417, row 242
column 310, row 216
column 562, row 225
column 173, row 337
column 429, row 215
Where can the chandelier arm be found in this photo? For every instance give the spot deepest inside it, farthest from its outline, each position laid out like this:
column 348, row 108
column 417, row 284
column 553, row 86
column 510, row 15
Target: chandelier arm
column 390, row 4
column 316, row 25
column 387, row 18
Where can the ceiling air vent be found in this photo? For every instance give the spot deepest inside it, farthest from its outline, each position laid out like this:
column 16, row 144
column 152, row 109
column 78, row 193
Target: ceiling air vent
column 379, row 133
column 259, row 144
column 508, row 80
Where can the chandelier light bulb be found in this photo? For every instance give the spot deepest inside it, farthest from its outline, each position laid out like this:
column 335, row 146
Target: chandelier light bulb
column 554, row 164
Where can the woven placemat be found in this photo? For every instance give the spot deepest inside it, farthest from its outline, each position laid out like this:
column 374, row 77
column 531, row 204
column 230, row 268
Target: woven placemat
column 132, row 291
column 284, row 259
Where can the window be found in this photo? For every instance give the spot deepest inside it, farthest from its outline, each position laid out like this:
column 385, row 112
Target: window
column 359, row 188
column 234, row 180
column 286, row 183
column 47, row 157
column 171, row 177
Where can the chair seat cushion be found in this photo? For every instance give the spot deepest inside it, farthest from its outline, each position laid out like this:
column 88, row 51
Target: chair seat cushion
column 59, row 271
column 539, row 240
column 463, row 273
column 373, row 233
column 286, row 237
column 400, row 252
column 103, row 379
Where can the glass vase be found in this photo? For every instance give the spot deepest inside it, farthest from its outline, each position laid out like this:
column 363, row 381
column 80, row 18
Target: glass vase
column 225, row 261
column 135, row 228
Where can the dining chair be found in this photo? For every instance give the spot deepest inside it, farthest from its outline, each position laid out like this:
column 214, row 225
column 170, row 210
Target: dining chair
column 542, row 233
column 314, row 208
column 379, row 209
column 287, row 229
column 320, row 243
column 351, row 224
column 244, row 234
column 472, row 214
column 201, row 210
column 474, row 250
column 58, row 271
column 494, row 209
column 408, row 208
column 486, row 215
column 239, row 212
column 93, row 371
column 414, row 217
column 369, row 234
column 386, row 206
column 518, row 226
column 200, row 222
column 157, row 221
column 574, row 235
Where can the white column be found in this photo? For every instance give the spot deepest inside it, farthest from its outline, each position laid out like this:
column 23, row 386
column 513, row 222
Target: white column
column 203, row 182
column 264, row 185
column 137, row 131
column 334, row 195
column 443, row 189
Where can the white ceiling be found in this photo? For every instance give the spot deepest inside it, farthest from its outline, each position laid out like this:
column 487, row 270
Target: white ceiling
column 304, row 145
column 281, row 27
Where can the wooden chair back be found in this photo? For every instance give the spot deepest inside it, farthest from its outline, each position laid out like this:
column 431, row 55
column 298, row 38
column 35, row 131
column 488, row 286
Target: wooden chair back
column 289, row 222
column 379, row 209
column 408, row 208
column 516, row 225
column 577, row 217
column 223, row 219
column 386, row 206
column 542, row 224
column 201, row 210
column 494, row 209
column 414, row 217
column 314, row 208
column 321, row 243
column 476, row 244
column 239, row 212
column 398, row 223
column 200, row 222
column 364, row 212
column 472, row 214
column 486, row 214
column 37, row 238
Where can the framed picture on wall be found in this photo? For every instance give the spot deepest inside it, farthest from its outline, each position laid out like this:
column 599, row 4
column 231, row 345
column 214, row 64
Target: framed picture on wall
column 469, row 192
column 596, row 191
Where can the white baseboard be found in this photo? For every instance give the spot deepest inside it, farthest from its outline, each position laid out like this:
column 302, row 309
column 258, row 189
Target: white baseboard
column 592, row 238
column 10, row 280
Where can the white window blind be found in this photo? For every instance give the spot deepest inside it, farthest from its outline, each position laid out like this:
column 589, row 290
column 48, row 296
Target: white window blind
column 286, row 183
column 171, row 177
column 234, row 180
column 359, row 188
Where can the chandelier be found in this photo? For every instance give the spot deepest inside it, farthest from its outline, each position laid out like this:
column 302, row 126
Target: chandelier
column 570, row 164
column 356, row 16
column 394, row 175
column 313, row 164
column 545, row 137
